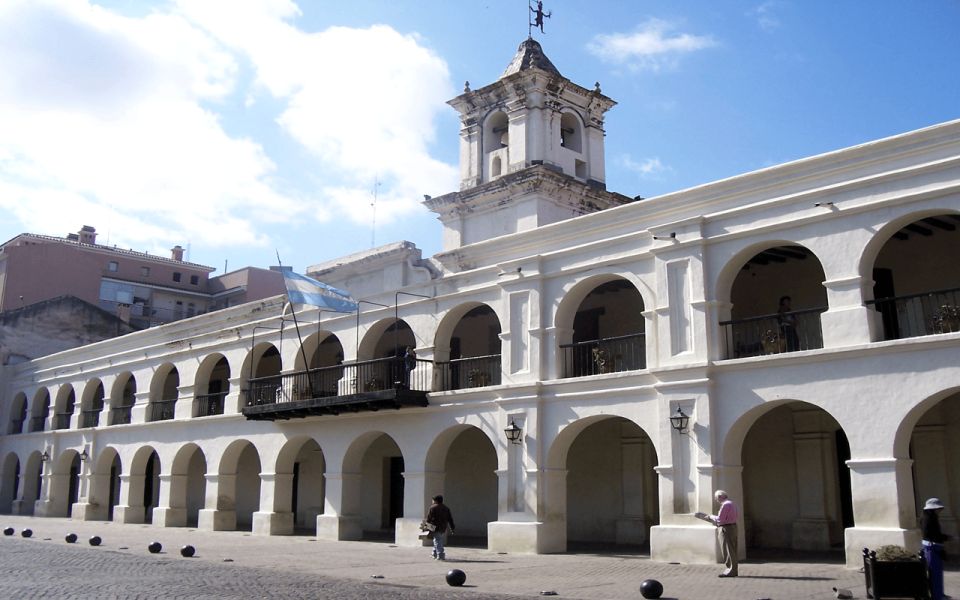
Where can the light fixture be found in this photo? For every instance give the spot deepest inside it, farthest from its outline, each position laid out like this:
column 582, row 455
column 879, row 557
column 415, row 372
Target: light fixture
column 672, row 236
column 818, row 204
column 83, row 455
column 514, row 434
column 679, row 421
column 45, row 456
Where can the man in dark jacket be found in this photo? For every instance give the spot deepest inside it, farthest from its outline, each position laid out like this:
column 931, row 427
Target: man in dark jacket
column 442, row 519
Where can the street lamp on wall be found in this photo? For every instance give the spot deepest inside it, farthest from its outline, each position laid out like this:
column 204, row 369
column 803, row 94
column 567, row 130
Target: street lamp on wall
column 513, row 432
column 680, row 421
column 84, row 456
column 45, row 457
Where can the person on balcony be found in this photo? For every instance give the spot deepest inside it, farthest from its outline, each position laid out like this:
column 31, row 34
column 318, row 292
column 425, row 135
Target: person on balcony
column 787, row 322
column 441, row 520
column 932, row 545
column 409, row 364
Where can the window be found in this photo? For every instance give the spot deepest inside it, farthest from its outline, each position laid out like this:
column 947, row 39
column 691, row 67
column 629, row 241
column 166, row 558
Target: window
column 176, row 276
column 194, row 279
column 113, row 266
column 145, row 271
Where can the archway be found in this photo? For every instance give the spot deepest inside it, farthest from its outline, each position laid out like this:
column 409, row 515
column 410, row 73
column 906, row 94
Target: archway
column 65, row 483
column 32, row 483
column 241, row 461
column 325, row 355
column 105, row 483
column 188, row 486
column 378, row 497
column 63, row 410
column 468, row 347
column 211, row 386
column 143, row 494
column 381, row 353
column 462, row 466
column 796, row 485
column 18, row 413
column 122, row 398
column 916, row 286
column 91, row 403
column 261, row 374
column 164, row 389
column 39, row 410
column 9, row 482
column 303, row 460
column 602, row 328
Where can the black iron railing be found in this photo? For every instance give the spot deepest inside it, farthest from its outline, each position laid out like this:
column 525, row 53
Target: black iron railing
column 120, row 415
column 161, row 410
column 38, row 423
column 605, row 355
column 341, row 380
column 61, row 420
column 917, row 315
column 773, row 334
column 207, row 405
column 90, row 418
column 16, row 426
column 473, row 372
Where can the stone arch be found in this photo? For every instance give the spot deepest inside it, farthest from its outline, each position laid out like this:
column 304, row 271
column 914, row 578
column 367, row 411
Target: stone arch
column 91, row 403
column 40, row 410
column 32, row 482
column 373, row 487
column 64, row 407
column 301, row 467
column 496, row 131
column 601, row 487
column 916, row 281
column 64, row 483
column 601, row 327
column 461, row 464
column 188, row 486
column 571, row 131
column 239, row 500
column 771, row 295
column 322, row 349
column 105, row 483
column 10, row 481
column 211, row 385
column 468, row 344
column 143, row 485
column 18, row 414
column 164, row 391
column 123, row 395
column 795, row 486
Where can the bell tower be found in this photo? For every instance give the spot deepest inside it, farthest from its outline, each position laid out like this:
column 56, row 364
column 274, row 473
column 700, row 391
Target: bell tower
column 531, row 152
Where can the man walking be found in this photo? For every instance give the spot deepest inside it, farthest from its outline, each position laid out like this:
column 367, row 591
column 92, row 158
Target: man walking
column 442, row 519
column 726, row 522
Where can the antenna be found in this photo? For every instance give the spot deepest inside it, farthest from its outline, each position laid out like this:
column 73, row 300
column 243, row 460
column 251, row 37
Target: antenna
column 373, row 205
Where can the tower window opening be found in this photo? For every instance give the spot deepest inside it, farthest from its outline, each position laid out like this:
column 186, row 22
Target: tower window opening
column 571, row 136
column 496, row 132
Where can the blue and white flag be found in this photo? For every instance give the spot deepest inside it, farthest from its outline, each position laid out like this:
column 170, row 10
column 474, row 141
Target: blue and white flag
column 304, row 290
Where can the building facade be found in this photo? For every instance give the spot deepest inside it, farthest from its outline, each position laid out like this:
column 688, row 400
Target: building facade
column 804, row 318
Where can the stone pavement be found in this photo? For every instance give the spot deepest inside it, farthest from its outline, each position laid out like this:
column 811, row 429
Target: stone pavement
column 241, row 565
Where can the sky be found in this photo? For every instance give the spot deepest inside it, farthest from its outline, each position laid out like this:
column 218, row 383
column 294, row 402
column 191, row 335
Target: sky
column 312, row 129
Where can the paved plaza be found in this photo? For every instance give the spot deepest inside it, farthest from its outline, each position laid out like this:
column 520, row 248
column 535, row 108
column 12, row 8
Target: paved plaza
column 241, row 565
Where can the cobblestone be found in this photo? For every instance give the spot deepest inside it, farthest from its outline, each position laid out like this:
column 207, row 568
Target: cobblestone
column 243, row 566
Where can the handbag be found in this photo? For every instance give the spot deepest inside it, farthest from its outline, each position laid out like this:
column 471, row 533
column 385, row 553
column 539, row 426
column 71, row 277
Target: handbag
column 429, row 527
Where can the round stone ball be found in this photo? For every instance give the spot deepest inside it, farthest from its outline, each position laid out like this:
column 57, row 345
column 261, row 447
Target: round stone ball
column 26, row 532
column 71, row 538
column 155, row 547
column 456, row 577
column 9, row 531
column 187, row 551
column 95, row 540
column 651, row 588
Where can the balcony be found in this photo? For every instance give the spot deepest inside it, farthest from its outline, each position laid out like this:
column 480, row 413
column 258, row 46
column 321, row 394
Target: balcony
column 90, row 418
column 207, row 405
column 464, row 373
column 61, row 420
column 361, row 386
column 16, row 426
column 120, row 415
column 918, row 315
column 604, row 355
column 773, row 334
column 161, row 410
column 38, row 423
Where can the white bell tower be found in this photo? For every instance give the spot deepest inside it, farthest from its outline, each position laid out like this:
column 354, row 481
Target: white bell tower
column 532, row 124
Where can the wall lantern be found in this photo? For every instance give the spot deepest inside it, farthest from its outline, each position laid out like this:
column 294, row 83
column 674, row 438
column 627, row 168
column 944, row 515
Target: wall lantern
column 679, row 421
column 514, row 434
column 45, row 456
column 84, row 456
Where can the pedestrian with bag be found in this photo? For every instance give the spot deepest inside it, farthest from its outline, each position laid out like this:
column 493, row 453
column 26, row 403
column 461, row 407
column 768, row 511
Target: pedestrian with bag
column 439, row 522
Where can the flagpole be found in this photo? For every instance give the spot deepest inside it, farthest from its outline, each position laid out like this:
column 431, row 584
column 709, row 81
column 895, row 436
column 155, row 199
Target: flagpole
column 296, row 324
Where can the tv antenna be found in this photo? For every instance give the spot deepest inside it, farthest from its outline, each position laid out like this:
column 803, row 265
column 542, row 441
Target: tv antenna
column 373, row 206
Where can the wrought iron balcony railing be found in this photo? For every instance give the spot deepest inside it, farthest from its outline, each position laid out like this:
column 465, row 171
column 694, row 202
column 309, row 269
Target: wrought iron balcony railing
column 16, row 426
column 472, row 372
column 161, row 410
column 206, row 405
column 61, row 420
column 917, row 315
column 605, row 355
column 120, row 415
column 38, row 423
column 773, row 334
column 90, row 418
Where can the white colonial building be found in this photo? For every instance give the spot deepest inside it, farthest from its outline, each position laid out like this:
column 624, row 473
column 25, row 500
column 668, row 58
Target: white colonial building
column 583, row 319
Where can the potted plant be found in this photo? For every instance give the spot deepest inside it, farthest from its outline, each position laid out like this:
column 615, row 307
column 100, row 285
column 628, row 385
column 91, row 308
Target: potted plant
column 946, row 319
column 893, row 572
column 478, row 378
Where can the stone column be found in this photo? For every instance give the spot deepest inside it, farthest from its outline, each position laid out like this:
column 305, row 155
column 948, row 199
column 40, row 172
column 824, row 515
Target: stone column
column 335, row 523
column 883, row 507
column 138, row 412
column 184, row 406
column 219, row 512
column 847, row 320
column 418, row 491
column 276, row 495
column 88, row 506
column 130, row 509
column 44, row 505
column 171, row 510
column 234, row 400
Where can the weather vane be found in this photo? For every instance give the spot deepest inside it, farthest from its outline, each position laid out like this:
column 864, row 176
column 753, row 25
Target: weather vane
column 538, row 16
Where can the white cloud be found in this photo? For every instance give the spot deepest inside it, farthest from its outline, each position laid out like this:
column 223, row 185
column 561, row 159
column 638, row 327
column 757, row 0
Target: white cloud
column 122, row 122
column 767, row 15
column 647, row 168
column 653, row 46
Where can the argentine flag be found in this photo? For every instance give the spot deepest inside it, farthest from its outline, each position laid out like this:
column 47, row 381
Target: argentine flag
column 304, row 290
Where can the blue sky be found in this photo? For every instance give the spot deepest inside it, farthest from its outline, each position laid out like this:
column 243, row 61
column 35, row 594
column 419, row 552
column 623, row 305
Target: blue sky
column 238, row 127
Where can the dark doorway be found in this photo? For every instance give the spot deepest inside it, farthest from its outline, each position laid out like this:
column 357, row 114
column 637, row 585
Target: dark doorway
column 846, row 495
column 883, row 288
column 396, row 491
column 73, row 493
column 296, row 488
